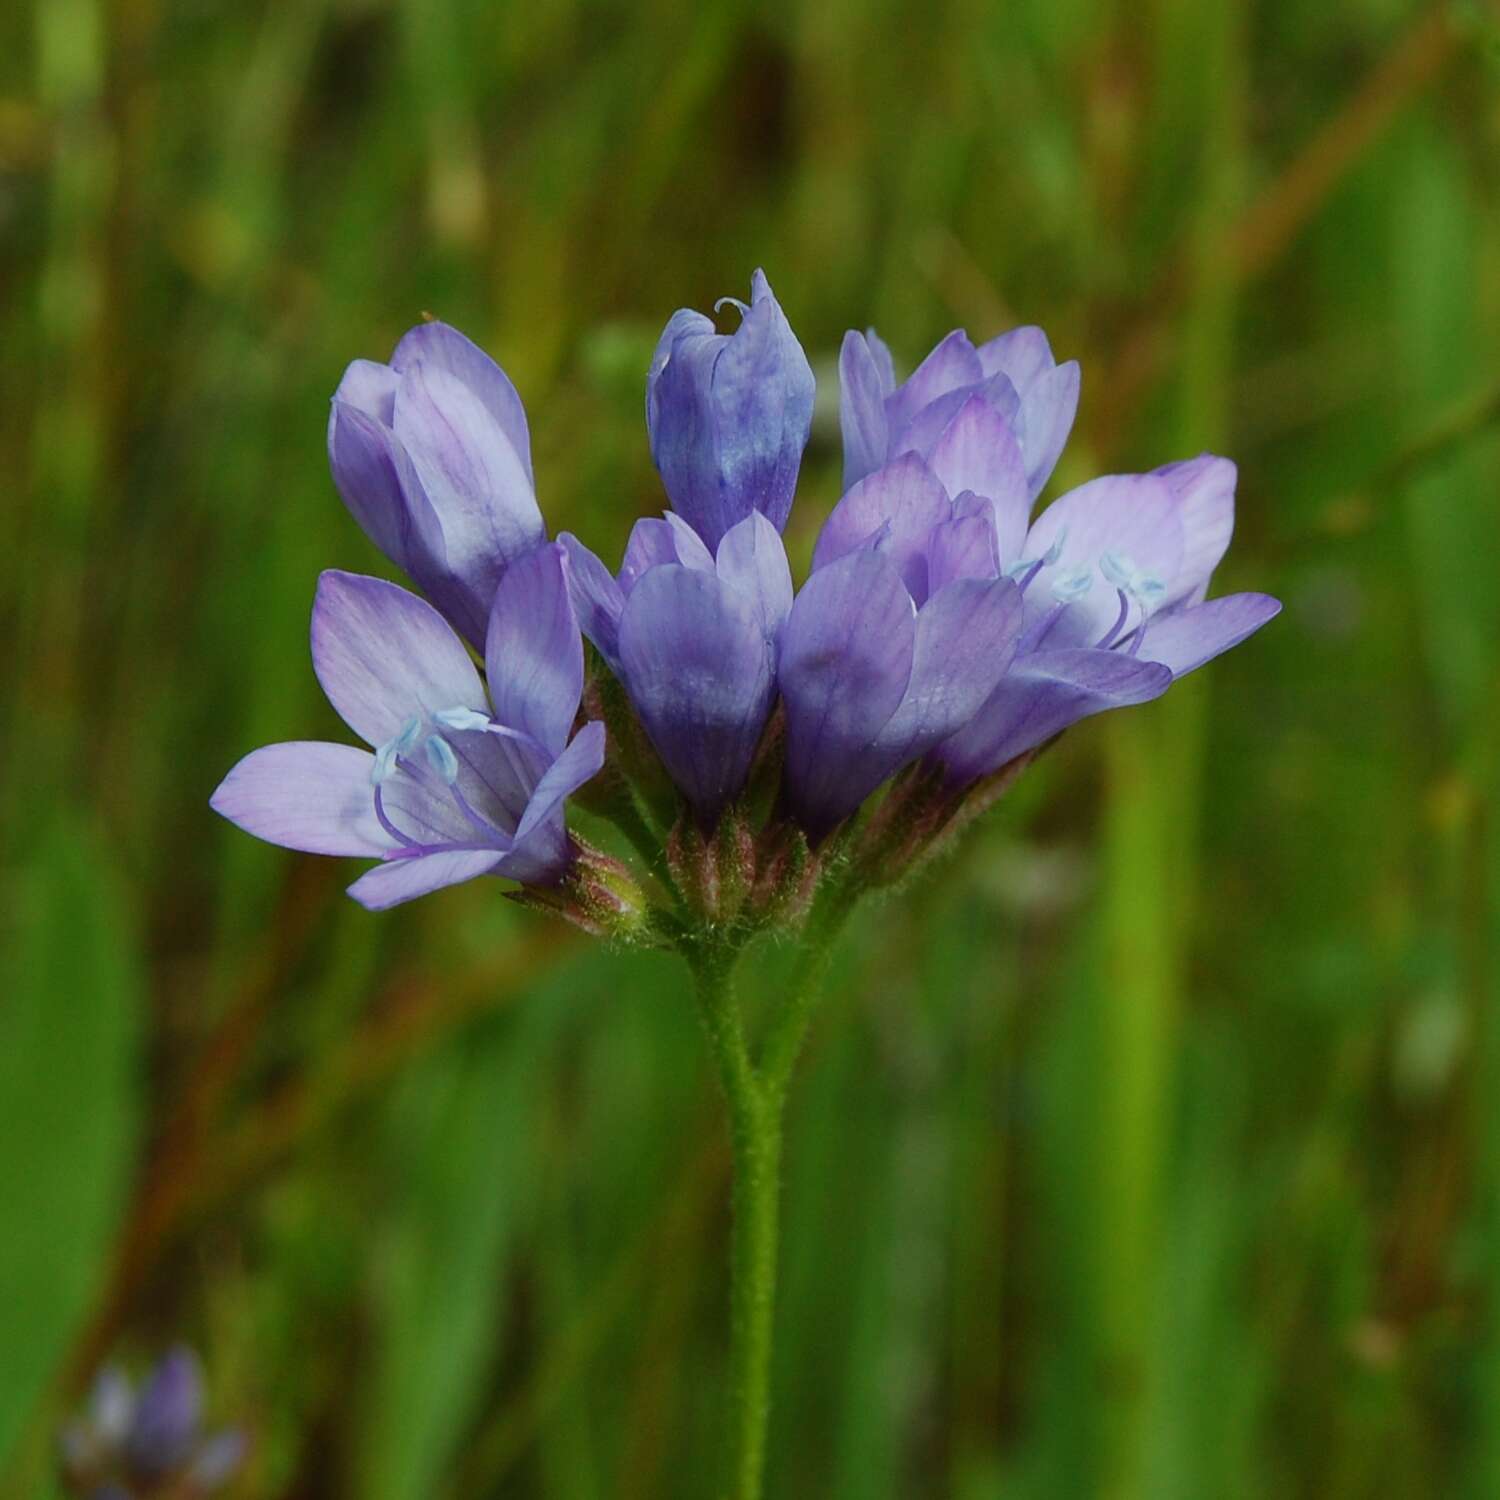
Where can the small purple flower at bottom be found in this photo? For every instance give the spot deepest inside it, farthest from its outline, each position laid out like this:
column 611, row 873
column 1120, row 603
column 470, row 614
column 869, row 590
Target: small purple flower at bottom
column 693, row 637
column 904, row 628
column 453, row 789
column 131, row 1443
column 1113, row 577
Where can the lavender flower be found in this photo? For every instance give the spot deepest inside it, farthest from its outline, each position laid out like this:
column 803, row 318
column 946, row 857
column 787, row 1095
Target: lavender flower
column 905, row 627
column 1015, row 374
column 432, row 456
column 728, row 414
column 453, row 789
column 131, row 1443
column 694, row 638
column 1114, row 577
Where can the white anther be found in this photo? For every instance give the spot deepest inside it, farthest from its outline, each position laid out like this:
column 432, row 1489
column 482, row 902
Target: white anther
column 461, row 718
column 1051, row 555
column 441, row 758
column 1147, row 589
column 1072, row 585
column 385, row 763
column 1118, row 569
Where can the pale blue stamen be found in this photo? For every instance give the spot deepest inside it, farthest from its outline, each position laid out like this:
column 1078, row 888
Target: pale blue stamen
column 744, row 307
column 441, row 758
column 1118, row 569
column 1108, row 638
column 388, row 754
column 385, row 822
column 461, row 718
column 1147, row 589
column 1140, row 635
column 1072, row 585
column 385, row 763
column 1051, row 555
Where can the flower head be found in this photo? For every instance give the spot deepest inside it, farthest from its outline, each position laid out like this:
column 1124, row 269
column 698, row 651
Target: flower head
column 728, row 414
column 132, row 1442
column 1014, row 374
column 694, row 637
column 432, row 455
column 460, row 782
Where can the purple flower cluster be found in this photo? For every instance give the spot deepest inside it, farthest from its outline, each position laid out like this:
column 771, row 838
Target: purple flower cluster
column 939, row 623
column 132, row 1443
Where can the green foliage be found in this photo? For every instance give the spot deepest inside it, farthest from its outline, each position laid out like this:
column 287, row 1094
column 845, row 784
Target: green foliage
column 456, row 1187
column 1148, row 1148
column 69, row 1103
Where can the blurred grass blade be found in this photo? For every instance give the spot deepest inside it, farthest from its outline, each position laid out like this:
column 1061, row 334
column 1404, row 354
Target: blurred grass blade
column 454, row 1166
column 69, row 1107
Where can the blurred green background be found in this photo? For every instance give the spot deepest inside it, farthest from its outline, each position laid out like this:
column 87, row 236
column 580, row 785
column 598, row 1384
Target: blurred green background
column 1151, row 1148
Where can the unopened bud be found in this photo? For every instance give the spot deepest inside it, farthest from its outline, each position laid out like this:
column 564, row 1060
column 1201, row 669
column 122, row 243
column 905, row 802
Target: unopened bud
column 786, row 875
column 599, row 894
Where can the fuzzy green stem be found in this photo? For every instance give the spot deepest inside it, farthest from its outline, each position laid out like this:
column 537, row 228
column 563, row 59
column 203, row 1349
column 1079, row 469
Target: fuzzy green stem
column 755, row 1130
column 788, row 1026
column 757, row 1098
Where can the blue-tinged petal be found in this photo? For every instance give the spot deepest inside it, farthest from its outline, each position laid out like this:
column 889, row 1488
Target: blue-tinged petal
column 846, row 662
column 952, row 365
column 699, row 671
column 752, row 559
column 899, row 504
column 1023, row 354
column 965, row 639
column 691, row 552
column 305, row 795
column 677, row 339
column 399, row 880
column 441, row 347
column 533, row 654
column 167, row 1415
column 1040, row 696
column 369, row 387
column 1048, row 408
column 862, row 393
column 540, row 855
column 963, row 547
column 885, row 366
column 384, row 655
column 376, row 481
column 978, row 452
column 920, row 435
column 475, row 479
column 1183, row 640
column 650, row 545
column 1204, row 489
column 657, row 541
column 597, row 599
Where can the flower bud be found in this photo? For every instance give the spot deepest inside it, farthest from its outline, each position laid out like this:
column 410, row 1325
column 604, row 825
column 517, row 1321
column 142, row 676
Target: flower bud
column 729, row 415
column 599, row 895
